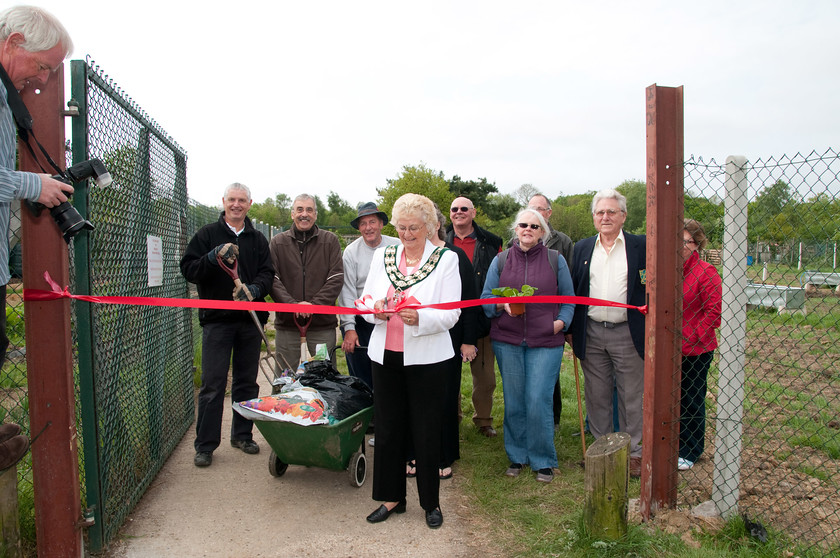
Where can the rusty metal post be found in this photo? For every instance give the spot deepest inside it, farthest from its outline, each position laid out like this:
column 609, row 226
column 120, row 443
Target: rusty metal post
column 49, row 351
column 664, row 131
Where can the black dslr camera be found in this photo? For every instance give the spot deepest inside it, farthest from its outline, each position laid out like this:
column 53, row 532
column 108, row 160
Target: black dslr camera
column 69, row 221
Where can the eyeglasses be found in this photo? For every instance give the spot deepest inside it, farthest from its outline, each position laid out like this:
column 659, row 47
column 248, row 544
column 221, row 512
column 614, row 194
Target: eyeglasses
column 533, row 226
column 462, row 209
column 611, row 212
column 535, row 208
column 412, row 228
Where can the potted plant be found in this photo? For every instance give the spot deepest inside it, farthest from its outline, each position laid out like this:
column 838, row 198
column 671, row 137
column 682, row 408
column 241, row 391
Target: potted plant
column 516, row 308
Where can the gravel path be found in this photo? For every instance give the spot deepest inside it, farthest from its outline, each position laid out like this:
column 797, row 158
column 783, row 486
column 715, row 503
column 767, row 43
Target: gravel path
column 236, row 508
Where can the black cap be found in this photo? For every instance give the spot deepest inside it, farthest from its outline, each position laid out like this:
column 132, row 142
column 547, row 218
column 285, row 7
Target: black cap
column 366, row 209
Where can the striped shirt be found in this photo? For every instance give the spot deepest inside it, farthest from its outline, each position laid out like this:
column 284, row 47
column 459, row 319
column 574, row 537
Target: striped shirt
column 13, row 184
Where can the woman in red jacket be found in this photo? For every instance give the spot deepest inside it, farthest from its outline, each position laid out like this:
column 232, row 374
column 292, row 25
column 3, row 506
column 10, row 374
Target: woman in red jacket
column 701, row 316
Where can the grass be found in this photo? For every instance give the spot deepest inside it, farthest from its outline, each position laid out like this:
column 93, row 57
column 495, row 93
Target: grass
column 530, row 519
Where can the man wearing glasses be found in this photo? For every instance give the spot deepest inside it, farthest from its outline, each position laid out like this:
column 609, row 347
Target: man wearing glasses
column 481, row 247
column 610, row 341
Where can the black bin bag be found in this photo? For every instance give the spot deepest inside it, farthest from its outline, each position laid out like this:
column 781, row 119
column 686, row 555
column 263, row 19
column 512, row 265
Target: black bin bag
column 345, row 395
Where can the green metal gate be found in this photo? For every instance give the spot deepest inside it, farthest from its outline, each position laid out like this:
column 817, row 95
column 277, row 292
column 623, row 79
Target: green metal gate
column 135, row 363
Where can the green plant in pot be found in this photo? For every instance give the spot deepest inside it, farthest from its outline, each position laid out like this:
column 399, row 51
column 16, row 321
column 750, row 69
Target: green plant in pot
column 516, row 308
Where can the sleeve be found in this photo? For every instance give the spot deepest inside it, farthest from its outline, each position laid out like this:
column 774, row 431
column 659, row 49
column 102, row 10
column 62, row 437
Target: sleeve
column 328, row 294
column 712, row 294
column 469, row 316
column 348, row 290
column 194, row 262
column 565, row 288
column 19, row 185
column 374, row 286
column 448, row 289
column 490, row 283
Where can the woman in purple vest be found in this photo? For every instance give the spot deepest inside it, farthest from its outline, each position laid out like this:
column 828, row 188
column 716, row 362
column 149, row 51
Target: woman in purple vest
column 529, row 347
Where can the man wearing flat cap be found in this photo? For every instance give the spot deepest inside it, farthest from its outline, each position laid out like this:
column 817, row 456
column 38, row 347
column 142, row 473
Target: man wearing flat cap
column 357, row 257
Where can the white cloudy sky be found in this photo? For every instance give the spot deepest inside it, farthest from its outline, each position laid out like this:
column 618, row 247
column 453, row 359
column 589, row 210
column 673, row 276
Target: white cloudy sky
column 334, row 95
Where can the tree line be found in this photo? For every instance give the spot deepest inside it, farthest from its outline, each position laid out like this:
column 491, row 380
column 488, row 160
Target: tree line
column 777, row 214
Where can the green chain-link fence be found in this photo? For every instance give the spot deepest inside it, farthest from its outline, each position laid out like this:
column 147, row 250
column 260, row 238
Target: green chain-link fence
column 773, row 226
column 135, row 363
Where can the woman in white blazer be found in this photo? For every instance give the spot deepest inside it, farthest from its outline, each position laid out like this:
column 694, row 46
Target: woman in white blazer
column 408, row 349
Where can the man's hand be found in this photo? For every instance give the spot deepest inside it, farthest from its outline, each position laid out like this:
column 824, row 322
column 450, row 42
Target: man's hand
column 229, row 252
column 53, row 192
column 303, row 315
column 246, row 292
column 350, row 342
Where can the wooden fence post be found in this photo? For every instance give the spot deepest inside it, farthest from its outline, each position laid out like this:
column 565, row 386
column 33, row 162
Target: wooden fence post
column 607, row 475
column 9, row 529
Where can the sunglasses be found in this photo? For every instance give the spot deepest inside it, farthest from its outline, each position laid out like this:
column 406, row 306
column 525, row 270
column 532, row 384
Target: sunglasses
column 533, row 226
column 462, row 209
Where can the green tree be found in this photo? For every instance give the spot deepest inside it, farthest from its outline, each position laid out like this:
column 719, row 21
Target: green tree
column 636, row 193
column 573, row 215
column 478, row 191
column 276, row 212
column 766, row 220
column 415, row 180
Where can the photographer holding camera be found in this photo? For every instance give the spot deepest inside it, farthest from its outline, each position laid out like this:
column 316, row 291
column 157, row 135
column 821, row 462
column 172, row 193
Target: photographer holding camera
column 33, row 44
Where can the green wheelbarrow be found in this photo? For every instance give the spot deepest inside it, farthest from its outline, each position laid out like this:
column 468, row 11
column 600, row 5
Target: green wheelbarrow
column 337, row 447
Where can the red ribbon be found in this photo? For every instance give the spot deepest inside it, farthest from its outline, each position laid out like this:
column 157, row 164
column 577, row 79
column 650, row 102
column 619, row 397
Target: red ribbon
column 32, row 295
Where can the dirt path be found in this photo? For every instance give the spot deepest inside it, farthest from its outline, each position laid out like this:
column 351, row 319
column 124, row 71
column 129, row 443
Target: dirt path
column 236, row 508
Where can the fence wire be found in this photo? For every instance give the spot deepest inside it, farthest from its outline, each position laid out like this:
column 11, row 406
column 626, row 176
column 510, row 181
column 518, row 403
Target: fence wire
column 137, row 359
column 788, row 438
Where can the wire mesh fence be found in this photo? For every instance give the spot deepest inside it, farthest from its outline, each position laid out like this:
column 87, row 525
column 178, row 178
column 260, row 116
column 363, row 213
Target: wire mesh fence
column 778, row 456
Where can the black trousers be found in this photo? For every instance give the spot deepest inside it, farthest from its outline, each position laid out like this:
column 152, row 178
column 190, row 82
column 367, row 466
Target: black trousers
column 358, row 362
column 695, row 371
column 219, row 342
column 408, row 403
column 450, row 441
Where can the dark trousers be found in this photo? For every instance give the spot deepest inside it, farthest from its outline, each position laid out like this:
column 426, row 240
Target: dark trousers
column 219, row 341
column 358, row 362
column 695, row 371
column 4, row 339
column 450, row 443
column 408, row 403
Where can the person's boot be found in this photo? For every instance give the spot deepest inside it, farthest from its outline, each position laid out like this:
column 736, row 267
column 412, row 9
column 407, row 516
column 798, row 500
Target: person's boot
column 12, row 450
column 8, row 430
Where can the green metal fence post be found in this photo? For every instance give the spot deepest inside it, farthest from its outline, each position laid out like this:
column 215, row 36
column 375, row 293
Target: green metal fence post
column 84, row 319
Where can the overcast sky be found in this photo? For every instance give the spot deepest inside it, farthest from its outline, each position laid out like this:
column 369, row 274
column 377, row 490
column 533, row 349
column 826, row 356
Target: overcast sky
column 317, row 96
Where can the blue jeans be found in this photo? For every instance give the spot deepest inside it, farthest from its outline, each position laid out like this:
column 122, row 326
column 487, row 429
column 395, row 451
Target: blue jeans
column 528, row 378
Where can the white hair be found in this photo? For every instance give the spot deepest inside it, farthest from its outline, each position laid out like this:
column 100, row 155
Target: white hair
column 40, row 29
column 238, row 186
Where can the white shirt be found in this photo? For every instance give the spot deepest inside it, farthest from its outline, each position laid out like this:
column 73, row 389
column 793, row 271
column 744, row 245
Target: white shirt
column 608, row 280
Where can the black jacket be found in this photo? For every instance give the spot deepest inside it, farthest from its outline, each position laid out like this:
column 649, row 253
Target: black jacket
column 465, row 331
column 636, row 249
column 254, row 267
column 487, row 246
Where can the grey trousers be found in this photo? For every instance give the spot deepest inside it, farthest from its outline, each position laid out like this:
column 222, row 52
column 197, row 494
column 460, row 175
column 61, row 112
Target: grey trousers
column 612, row 360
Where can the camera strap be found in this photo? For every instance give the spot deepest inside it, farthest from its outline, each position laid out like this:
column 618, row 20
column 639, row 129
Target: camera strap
column 24, row 121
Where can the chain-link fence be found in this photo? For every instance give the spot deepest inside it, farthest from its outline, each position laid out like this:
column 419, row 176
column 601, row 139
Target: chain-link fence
column 772, row 227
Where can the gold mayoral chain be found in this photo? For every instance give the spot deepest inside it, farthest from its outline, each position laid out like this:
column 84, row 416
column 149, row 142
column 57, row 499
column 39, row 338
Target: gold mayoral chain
column 400, row 281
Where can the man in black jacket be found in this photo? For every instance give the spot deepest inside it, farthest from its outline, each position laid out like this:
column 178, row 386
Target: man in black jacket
column 481, row 247
column 226, row 332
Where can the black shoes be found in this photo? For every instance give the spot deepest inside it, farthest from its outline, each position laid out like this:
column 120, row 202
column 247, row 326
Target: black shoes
column 248, row 446
column 382, row 513
column 434, row 518
column 203, row 458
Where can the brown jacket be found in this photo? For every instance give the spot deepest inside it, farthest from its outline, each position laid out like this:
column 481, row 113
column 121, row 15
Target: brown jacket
column 307, row 267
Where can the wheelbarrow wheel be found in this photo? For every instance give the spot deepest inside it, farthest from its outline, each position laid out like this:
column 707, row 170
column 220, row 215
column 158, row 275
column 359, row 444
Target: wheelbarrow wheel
column 357, row 470
column 275, row 466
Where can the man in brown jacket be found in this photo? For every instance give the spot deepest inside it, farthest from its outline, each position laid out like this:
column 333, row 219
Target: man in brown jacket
column 307, row 270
